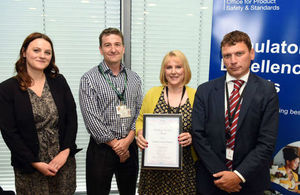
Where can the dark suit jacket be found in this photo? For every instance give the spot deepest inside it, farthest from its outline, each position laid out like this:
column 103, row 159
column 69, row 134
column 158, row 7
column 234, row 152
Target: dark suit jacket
column 17, row 123
column 255, row 138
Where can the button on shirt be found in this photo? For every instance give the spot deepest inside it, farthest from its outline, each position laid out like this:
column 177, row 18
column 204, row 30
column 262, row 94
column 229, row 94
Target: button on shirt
column 98, row 102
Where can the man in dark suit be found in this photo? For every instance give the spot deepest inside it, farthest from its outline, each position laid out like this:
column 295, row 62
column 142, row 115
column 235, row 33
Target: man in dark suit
column 251, row 125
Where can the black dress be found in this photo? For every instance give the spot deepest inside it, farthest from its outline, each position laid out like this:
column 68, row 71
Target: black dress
column 177, row 182
column 46, row 120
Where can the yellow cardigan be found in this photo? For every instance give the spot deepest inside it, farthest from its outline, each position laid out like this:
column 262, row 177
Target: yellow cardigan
column 287, row 181
column 150, row 101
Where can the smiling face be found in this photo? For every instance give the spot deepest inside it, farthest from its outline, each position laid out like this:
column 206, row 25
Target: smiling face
column 112, row 49
column 174, row 72
column 38, row 55
column 237, row 59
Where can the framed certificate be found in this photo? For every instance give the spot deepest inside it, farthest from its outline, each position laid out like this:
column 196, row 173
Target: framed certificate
column 161, row 132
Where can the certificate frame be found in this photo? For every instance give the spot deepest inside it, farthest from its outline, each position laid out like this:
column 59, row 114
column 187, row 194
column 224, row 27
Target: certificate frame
column 162, row 153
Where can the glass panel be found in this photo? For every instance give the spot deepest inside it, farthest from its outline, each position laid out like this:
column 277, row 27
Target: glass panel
column 161, row 26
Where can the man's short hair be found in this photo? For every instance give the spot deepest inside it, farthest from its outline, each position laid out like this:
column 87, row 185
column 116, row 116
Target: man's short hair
column 109, row 31
column 235, row 37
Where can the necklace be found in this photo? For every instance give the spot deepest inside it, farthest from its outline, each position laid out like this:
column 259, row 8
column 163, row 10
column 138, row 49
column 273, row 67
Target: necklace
column 169, row 107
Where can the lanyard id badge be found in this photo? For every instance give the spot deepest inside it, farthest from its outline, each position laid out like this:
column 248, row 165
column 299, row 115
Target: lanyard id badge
column 229, row 154
column 123, row 111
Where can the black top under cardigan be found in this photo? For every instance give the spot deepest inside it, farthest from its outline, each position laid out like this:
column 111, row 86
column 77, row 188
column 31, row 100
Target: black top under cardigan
column 17, row 123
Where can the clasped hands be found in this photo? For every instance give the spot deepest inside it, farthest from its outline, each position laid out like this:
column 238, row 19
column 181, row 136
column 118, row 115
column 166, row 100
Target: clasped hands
column 121, row 149
column 228, row 181
column 185, row 139
column 121, row 146
column 51, row 168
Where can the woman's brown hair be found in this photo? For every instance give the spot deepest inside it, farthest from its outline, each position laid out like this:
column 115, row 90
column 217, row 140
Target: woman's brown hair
column 22, row 76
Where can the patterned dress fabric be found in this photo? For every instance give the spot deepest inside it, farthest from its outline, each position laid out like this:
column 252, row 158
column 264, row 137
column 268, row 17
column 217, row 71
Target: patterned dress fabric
column 46, row 120
column 171, row 182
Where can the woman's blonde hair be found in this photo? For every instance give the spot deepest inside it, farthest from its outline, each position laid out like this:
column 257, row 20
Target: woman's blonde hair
column 185, row 63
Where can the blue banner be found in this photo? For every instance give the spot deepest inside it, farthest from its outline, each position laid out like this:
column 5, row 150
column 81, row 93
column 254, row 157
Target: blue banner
column 274, row 29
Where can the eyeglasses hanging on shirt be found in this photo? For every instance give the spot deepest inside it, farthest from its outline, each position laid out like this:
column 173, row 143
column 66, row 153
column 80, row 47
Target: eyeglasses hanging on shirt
column 121, row 109
column 169, row 107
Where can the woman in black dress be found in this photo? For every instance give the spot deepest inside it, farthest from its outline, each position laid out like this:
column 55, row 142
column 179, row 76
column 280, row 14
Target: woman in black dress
column 173, row 97
column 38, row 121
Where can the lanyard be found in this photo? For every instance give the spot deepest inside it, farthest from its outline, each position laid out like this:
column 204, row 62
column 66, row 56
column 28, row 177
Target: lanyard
column 169, row 108
column 121, row 96
column 230, row 118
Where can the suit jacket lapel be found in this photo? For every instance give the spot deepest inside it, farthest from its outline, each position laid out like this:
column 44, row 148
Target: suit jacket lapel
column 248, row 94
column 55, row 93
column 220, row 101
column 27, row 105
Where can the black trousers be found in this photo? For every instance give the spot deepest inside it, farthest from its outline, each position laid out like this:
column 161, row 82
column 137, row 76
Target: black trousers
column 102, row 162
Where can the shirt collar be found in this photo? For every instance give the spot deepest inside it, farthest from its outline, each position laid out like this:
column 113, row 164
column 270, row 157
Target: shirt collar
column 230, row 78
column 106, row 69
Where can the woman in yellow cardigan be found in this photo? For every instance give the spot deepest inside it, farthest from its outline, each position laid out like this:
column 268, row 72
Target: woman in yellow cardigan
column 172, row 97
